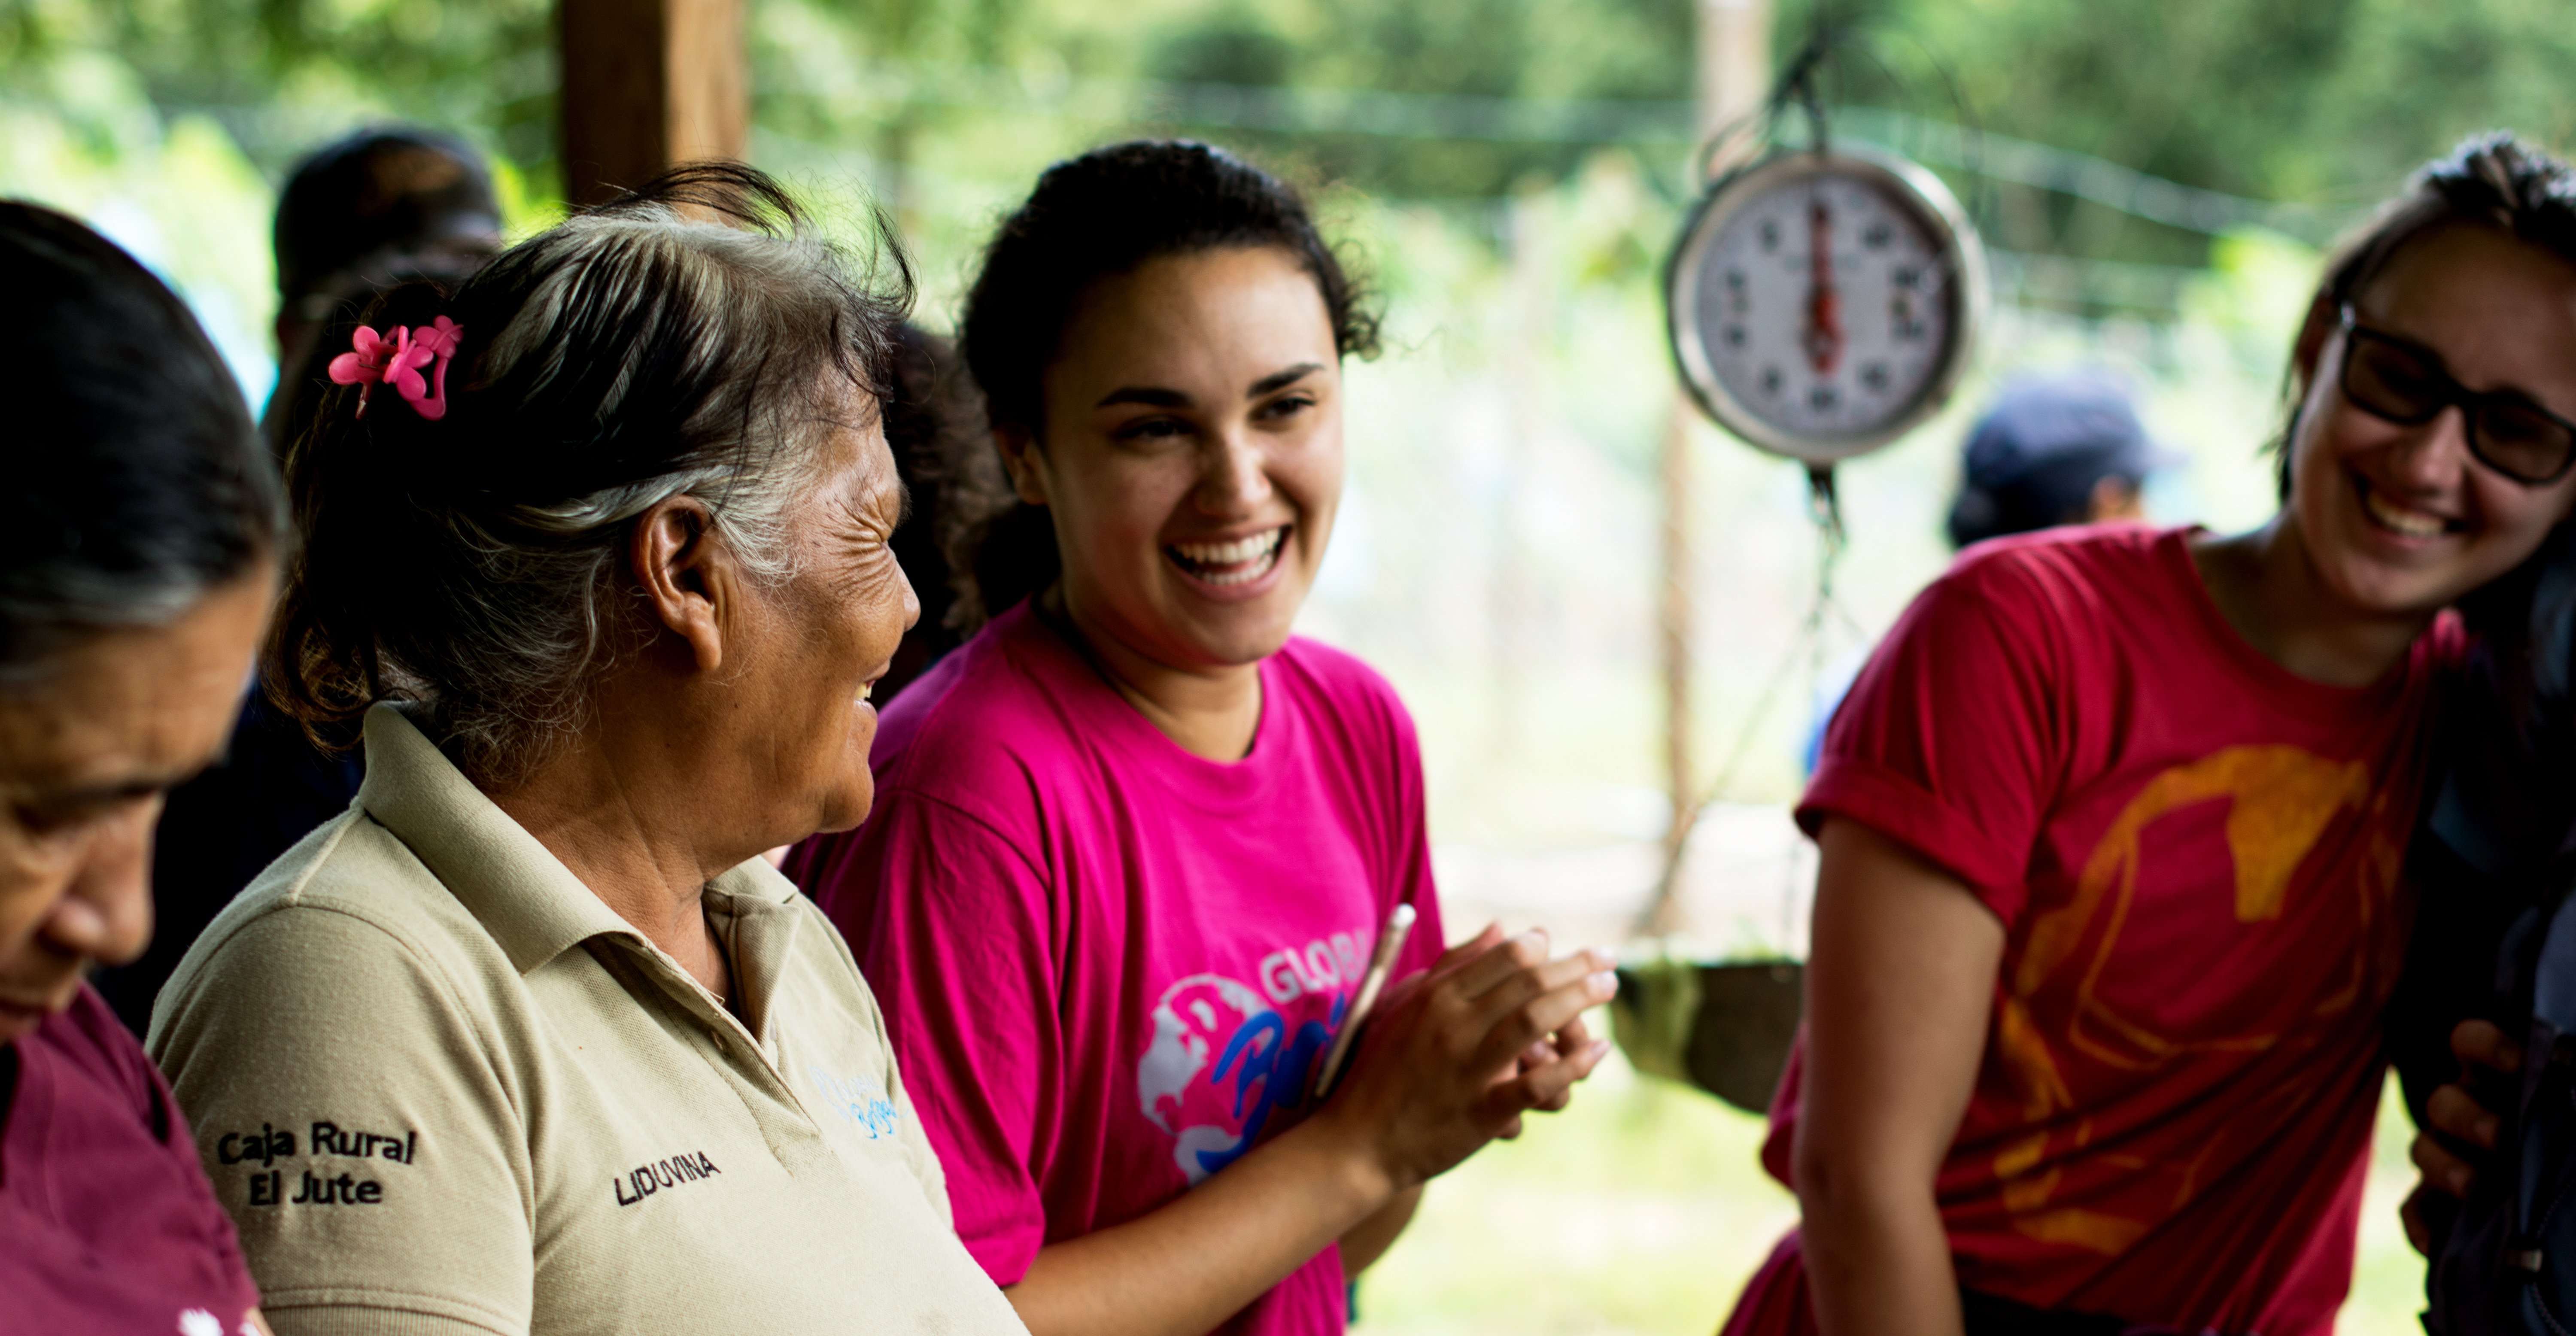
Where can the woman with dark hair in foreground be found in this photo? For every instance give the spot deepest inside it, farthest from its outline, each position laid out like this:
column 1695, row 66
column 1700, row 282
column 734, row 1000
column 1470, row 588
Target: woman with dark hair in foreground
column 531, row 1040
column 1137, row 841
column 132, row 593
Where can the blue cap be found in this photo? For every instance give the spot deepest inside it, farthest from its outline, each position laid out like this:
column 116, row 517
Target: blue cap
column 2037, row 456
column 2060, row 417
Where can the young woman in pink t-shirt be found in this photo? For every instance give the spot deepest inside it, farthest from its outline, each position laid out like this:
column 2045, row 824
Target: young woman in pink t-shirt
column 2110, row 906
column 1133, row 843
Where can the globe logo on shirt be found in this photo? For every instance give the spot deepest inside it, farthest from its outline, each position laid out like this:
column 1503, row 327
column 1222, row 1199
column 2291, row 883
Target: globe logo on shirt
column 1220, row 1062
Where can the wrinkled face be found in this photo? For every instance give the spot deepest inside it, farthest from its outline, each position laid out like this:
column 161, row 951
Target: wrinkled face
column 814, row 656
column 86, row 752
column 2401, row 519
column 1192, row 455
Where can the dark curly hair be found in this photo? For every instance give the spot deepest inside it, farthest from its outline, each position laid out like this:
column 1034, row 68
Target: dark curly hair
column 1092, row 218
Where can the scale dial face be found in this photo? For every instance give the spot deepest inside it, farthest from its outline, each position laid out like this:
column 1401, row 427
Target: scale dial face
column 1823, row 305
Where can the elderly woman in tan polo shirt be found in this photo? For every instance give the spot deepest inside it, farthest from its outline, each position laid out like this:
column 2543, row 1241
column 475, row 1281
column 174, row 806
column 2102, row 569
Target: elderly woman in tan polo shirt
column 531, row 1040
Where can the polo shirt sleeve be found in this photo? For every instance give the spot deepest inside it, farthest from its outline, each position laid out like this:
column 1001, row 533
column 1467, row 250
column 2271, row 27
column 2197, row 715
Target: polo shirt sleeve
column 1946, row 742
column 349, row 1112
column 950, row 925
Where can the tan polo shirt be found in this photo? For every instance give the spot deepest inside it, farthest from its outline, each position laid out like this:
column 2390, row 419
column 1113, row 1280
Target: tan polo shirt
column 443, row 1088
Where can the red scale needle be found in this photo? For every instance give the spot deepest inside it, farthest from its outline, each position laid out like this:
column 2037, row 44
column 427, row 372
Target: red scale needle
column 1824, row 308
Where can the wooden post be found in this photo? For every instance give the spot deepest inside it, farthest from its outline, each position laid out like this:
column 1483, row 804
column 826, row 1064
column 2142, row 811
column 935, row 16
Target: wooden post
column 648, row 84
column 1734, row 72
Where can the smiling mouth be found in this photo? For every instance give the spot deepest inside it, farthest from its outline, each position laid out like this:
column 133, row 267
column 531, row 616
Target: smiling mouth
column 1238, row 562
column 2403, row 520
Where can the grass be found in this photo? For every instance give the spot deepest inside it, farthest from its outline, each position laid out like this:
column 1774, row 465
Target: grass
column 1642, row 1209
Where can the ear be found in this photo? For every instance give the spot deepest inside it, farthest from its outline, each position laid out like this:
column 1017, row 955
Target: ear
column 2325, row 315
column 1027, row 464
column 2115, row 498
column 689, row 582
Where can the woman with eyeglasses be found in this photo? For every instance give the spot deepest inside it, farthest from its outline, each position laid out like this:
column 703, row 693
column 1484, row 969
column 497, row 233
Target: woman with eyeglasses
column 2110, row 907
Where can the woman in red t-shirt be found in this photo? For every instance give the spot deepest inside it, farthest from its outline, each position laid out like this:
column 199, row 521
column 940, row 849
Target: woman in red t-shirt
column 132, row 591
column 2111, row 825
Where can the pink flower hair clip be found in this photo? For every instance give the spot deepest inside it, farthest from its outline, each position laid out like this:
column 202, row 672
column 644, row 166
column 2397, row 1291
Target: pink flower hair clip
column 374, row 359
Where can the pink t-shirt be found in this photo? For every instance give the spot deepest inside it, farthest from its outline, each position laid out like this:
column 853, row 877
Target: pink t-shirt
column 1108, row 966
column 107, row 1224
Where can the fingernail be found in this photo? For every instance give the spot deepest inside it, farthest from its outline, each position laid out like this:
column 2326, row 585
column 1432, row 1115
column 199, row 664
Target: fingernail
column 1605, row 983
column 1601, row 960
column 1600, row 1048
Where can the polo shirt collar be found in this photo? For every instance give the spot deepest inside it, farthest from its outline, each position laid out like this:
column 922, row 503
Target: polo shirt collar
column 522, row 894
column 533, row 905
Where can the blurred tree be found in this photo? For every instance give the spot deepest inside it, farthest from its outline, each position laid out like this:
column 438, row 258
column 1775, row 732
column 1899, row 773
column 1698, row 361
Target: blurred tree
column 2329, row 101
column 486, row 66
column 2319, row 100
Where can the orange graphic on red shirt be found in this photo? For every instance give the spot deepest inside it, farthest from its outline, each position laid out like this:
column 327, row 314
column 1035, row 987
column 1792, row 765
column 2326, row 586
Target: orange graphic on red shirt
column 2281, row 801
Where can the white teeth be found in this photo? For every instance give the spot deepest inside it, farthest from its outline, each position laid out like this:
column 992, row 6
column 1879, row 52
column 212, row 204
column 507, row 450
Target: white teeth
column 2403, row 519
column 1236, row 577
column 1255, row 548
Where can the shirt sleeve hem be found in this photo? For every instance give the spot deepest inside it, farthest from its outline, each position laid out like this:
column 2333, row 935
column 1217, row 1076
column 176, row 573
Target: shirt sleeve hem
column 1917, row 818
column 1006, row 1258
column 380, row 1301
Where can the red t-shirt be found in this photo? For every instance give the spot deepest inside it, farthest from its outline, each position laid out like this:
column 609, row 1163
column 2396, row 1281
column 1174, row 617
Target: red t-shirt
column 2195, row 855
column 1108, row 966
column 106, row 1222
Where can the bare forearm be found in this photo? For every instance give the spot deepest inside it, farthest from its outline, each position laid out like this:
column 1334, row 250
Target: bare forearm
column 1199, row 1259
column 1368, row 1240
column 1900, row 982
column 1877, row 1264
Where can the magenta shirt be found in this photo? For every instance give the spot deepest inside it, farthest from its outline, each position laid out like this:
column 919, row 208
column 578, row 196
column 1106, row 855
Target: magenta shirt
column 1108, row 966
column 106, row 1222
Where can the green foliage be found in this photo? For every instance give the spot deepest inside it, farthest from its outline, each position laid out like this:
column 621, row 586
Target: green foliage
column 278, row 73
column 2327, row 101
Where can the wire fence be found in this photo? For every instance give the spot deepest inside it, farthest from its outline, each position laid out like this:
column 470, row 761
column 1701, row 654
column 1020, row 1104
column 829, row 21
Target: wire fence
column 1497, row 552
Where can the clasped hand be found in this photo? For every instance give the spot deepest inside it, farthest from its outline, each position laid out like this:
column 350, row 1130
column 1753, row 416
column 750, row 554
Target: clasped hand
column 1455, row 1055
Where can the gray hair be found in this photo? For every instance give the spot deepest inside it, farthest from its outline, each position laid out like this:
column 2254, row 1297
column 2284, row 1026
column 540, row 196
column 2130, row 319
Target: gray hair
column 638, row 352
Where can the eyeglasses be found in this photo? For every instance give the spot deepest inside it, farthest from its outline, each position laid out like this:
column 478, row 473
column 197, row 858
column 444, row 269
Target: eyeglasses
column 2389, row 378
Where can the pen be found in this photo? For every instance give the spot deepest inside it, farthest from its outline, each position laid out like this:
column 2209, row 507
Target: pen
column 1390, row 940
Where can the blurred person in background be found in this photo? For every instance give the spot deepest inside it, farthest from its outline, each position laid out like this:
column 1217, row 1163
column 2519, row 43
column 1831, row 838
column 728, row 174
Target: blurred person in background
column 133, row 589
column 934, row 423
column 360, row 215
column 1134, row 841
column 2110, row 909
column 365, row 213
column 2054, row 448
column 530, row 1040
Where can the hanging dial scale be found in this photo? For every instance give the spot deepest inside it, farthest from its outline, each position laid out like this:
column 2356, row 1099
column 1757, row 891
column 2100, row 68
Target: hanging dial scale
column 1825, row 301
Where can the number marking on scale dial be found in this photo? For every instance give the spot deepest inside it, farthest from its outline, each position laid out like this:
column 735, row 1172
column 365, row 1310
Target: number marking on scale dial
column 1827, row 299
